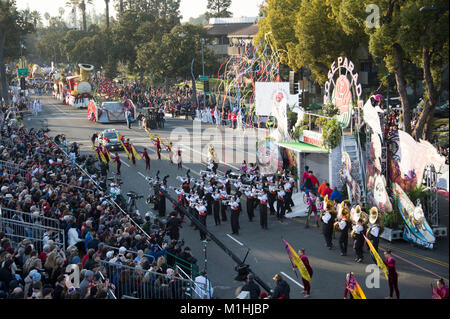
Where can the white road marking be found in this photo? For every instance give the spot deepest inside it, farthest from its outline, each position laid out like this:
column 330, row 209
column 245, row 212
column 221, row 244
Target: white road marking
column 235, row 240
column 142, row 175
column 59, row 109
column 292, row 280
column 125, row 163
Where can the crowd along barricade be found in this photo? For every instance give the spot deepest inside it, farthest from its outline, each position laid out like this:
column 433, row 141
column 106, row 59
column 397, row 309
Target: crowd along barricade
column 12, row 168
column 30, row 218
column 17, row 230
column 134, row 282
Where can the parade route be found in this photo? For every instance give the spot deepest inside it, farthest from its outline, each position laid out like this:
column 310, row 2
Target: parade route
column 417, row 268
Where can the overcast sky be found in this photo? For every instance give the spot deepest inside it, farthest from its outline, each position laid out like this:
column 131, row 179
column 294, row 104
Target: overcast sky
column 188, row 8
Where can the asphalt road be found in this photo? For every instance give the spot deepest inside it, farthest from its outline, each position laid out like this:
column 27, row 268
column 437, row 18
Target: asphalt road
column 417, row 268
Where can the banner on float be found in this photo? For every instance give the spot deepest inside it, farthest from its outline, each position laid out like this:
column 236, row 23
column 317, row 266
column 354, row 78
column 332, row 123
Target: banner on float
column 269, row 95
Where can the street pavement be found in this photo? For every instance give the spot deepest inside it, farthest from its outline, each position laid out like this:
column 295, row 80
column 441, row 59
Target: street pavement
column 417, row 268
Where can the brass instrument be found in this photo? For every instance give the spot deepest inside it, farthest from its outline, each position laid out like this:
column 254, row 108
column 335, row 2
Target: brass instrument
column 85, row 71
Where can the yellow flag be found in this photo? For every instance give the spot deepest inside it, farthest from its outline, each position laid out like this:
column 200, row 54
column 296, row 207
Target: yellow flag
column 118, row 138
column 149, row 135
column 136, row 154
column 296, row 260
column 95, row 151
column 168, row 144
column 355, row 289
column 380, row 262
column 102, row 157
column 109, row 157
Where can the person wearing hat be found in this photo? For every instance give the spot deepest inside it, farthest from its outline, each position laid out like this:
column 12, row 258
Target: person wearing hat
column 251, row 287
column 281, row 290
column 343, row 225
column 358, row 237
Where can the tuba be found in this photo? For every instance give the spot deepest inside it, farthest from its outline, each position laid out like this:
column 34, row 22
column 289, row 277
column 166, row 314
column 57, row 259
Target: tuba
column 85, row 71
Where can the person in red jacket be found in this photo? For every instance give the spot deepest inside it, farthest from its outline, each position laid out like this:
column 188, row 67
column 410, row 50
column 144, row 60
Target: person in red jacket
column 147, row 159
column 119, row 163
column 314, row 180
column 392, row 274
column 158, row 148
column 306, row 283
column 327, row 191
column 442, row 290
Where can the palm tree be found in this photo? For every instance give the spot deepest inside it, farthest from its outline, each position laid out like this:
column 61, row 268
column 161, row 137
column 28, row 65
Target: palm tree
column 107, row 13
column 81, row 4
column 35, row 17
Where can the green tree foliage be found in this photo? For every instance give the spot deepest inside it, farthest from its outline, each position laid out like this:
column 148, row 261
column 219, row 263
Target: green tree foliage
column 218, row 9
column 13, row 29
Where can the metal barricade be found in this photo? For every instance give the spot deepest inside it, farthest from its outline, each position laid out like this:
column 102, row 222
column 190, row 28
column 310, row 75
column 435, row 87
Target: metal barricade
column 133, row 282
column 30, row 218
column 12, row 168
column 18, row 230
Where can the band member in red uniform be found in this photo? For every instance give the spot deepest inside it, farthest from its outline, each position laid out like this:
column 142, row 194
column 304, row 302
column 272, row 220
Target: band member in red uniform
column 158, row 148
column 119, row 163
column 147, row 159
column 306, row 283
column 442, row 290
column 105, row 154
column 392, row 274
column 130, row 150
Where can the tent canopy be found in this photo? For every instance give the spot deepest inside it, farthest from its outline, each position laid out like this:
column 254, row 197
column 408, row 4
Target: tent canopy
column 302, row 147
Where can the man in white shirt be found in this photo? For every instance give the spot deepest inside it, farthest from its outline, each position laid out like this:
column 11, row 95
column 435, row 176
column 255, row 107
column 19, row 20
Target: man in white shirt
column 203, row 288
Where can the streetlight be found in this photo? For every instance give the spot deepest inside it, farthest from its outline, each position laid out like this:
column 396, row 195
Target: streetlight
column 182, row 35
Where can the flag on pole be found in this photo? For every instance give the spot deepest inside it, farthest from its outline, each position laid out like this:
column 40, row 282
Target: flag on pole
column 95, row 151
column 380, row 262
column 136, row 154
column 102, row 157
column 296, row 260
column 149, row 135
column 118, row 138
column 109, row 156
column 354, row 288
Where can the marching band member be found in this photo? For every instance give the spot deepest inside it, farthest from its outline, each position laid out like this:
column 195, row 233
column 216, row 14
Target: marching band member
column 209, row 200
column 201, row 209
column 328, row 222
column 272, row 198
column 223, row 197
column 263, row 210
column 281, row 200
column 147, row 159
column 358, row 244
column 119, row 163
column 217, row 199
column 288, row 190
column 374, row 229
column 250, row 203
column 234, row 216
column 343, row 226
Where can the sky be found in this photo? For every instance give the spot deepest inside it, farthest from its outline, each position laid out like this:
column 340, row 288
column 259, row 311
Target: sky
column 188, row 8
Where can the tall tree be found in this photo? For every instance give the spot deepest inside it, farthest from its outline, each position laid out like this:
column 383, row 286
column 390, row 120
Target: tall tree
column 35, row 17
column 81, row 4
column 425, row 37
column 218, row 9
column 13, row 28
column 107, row 13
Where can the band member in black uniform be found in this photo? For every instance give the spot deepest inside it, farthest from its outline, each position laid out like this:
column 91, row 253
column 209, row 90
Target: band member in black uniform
column 358, row 243
column 343, row 227
column 223, row 208
column 250, row 204
column 234, row 216
column 272, row 196
column 263, row 210
column 374, row 229
column 209, row 200
column 217, row 200
column 201, row 209
column 281, row 203
column 328, row 217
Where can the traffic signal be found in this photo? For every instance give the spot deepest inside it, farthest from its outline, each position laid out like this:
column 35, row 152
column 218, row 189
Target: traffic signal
column 206, row 86
column 22, row 83
column 300, row 100
column 293, row 82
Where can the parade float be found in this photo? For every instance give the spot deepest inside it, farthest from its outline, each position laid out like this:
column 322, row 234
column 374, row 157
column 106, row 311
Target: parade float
column 79, row 88
column 59, row 87
column 107, row 106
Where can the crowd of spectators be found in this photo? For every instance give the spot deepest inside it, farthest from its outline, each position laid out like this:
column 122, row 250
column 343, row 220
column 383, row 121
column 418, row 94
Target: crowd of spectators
column 99, row 238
